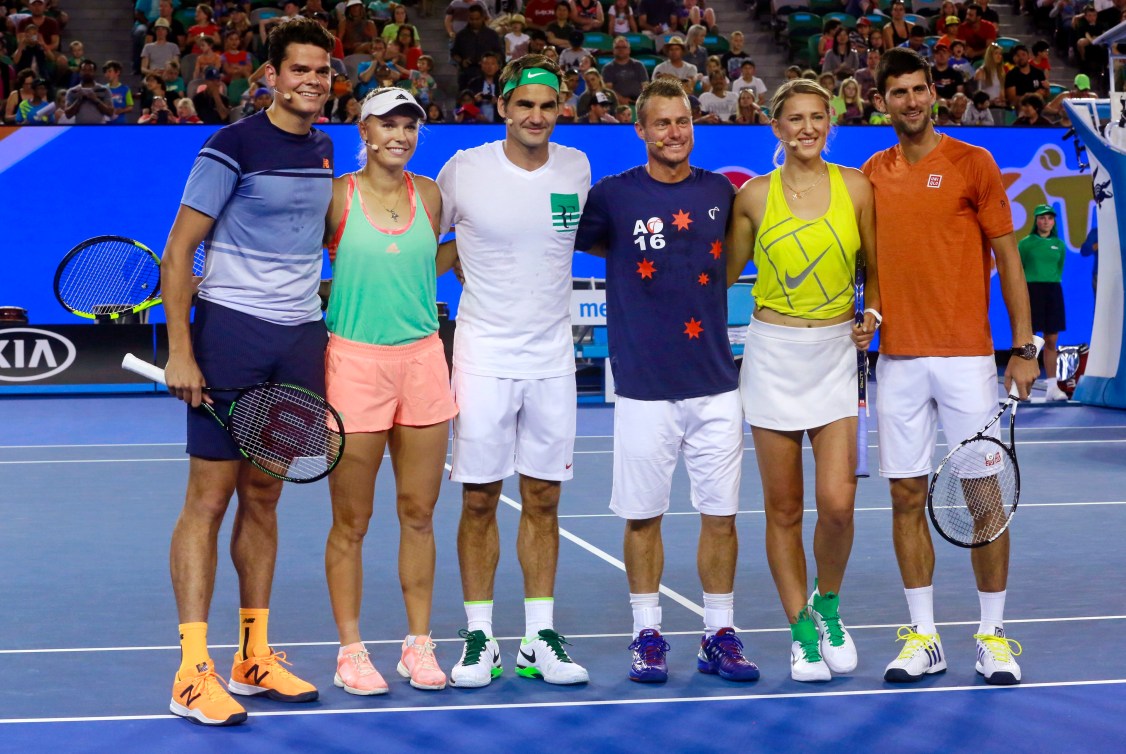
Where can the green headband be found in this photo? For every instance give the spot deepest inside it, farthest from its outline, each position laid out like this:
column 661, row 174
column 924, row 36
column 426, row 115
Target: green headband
column 532, row 76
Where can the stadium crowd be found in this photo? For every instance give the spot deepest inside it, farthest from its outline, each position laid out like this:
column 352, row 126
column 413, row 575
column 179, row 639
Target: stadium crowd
column 203, row 63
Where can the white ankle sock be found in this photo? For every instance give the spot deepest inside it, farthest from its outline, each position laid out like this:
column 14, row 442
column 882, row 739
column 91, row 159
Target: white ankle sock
column 920, row 602
column 719, row 612
column 480, row 616
column 538, row 615
column 646, row 612
column 992, row 611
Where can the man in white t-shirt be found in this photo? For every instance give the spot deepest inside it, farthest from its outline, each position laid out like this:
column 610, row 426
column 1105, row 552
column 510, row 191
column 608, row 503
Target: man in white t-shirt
column 515, row 206
column 675, row 65
column 719, row 102
column 748, row 80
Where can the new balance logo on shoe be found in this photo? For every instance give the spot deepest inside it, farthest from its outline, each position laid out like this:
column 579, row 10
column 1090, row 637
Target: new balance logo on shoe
column 257, row 675
column 188, row 697
column 529, row 657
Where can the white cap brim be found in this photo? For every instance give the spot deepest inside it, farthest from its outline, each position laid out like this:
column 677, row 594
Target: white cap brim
column 385, row 102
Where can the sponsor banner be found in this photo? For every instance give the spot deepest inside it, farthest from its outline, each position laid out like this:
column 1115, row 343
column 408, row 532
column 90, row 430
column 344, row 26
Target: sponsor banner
column 32, row 356
column 588, row 308
column 128, row 197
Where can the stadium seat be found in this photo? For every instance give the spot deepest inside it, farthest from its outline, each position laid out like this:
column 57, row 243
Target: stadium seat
column 931, row 41
column 597, row 41
column 918, row 20
column 799, row 28
column 877, row 20
column 639, row 43
column 1007, row 43
column 716, row 44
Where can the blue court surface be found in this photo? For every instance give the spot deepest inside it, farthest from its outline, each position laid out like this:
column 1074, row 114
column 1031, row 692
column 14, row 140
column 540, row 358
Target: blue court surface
column 90, row 488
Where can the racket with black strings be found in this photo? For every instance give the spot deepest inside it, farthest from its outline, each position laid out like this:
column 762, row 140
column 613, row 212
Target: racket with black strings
column 287, row 431
column 109, row 277
column 974, row 493
column 861, row 377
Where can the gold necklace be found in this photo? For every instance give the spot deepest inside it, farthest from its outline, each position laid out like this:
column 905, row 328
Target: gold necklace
column 799, row 194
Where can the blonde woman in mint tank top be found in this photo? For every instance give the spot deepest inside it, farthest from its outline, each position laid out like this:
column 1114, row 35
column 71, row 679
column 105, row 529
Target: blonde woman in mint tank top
column 804, row 225
column 386, row 371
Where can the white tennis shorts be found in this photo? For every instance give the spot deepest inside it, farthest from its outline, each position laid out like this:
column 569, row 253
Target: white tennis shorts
column 797, row 378
column 648, row 437
column 506, row 426
column 914, row 394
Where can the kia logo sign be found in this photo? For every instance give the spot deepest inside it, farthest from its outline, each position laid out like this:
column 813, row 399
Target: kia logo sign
column 27, row 354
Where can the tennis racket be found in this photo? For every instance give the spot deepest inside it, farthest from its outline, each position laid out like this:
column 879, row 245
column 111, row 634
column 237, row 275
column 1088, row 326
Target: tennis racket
column 861, row 378
column 974, row 493
column 288, row 432
column 109, row 277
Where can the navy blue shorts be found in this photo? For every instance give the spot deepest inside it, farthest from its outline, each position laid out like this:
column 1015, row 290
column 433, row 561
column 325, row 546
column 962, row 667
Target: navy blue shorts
column 234, row 349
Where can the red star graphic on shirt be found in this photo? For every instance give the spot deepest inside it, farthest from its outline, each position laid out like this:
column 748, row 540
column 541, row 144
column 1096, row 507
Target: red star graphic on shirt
column 645, row 268
column 692, row 328
column 703, row 279
column 681, row 220
column 717, row 248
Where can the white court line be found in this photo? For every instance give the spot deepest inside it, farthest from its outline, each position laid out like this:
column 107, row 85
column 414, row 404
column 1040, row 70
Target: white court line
column 457, row 639
column 577, row 437
column 595, row 702
column 607, row 557
column 1021, row 506
column 182, row 459
column 749, row 449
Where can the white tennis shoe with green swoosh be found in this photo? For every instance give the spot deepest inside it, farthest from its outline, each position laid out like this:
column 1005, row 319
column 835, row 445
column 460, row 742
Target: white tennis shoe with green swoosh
column 544, row 657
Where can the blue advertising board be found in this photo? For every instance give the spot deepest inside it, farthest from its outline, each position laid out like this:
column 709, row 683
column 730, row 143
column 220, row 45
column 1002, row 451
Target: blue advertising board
column 62, row 185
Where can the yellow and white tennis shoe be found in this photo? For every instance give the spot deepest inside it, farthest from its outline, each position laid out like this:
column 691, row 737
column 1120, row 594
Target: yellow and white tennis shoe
column 921, row 655
column 995, row 658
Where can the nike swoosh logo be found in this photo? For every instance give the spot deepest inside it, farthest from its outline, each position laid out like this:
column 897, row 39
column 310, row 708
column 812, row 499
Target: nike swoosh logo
column 534, row 75
column 496, row 657
column 794, row 282
column 529, row 657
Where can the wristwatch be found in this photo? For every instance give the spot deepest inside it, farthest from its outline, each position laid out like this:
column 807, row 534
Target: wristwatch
column 1027, row 351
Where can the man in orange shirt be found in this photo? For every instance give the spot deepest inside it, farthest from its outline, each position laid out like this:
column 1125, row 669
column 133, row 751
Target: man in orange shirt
column 936, row 351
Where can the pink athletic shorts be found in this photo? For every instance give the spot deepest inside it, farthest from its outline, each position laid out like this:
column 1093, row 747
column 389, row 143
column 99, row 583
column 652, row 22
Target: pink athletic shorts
column 376, row 387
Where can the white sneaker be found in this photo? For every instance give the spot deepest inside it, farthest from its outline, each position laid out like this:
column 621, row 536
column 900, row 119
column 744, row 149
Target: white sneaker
column 479, row 663
column 544, row 657
column 995, row 658
column 921, row 655
column 836, row 645
column 1054, row 393
column 806, row 663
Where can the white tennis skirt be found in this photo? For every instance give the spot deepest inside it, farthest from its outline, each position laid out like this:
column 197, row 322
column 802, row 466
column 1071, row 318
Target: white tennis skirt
column 797, row 378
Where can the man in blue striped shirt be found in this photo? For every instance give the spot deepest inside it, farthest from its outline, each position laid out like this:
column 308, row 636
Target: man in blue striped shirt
column 257, row 197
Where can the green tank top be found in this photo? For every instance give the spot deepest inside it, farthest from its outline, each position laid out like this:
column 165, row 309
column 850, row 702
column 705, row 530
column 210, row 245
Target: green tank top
column 806, row 267
column 384, row 287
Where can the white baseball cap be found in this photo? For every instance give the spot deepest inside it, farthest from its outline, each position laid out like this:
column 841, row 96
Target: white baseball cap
column 384, row 102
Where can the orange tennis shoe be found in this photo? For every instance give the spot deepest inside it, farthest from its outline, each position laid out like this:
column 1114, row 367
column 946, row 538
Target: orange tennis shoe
column 202, row 699
column 266, row 675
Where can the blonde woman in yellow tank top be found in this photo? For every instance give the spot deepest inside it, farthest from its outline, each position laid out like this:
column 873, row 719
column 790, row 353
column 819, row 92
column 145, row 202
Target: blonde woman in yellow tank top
column 803, row 225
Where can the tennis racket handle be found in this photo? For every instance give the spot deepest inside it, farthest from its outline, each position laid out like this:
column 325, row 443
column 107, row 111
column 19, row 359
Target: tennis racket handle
column 862, row 444
column 1039, row 342
column 149, row 371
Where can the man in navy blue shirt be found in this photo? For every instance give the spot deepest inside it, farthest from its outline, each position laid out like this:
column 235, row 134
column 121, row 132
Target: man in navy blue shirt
column 661, row 227
column 257, row 196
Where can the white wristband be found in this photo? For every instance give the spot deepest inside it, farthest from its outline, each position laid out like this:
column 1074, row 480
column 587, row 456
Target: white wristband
column 876, row 314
